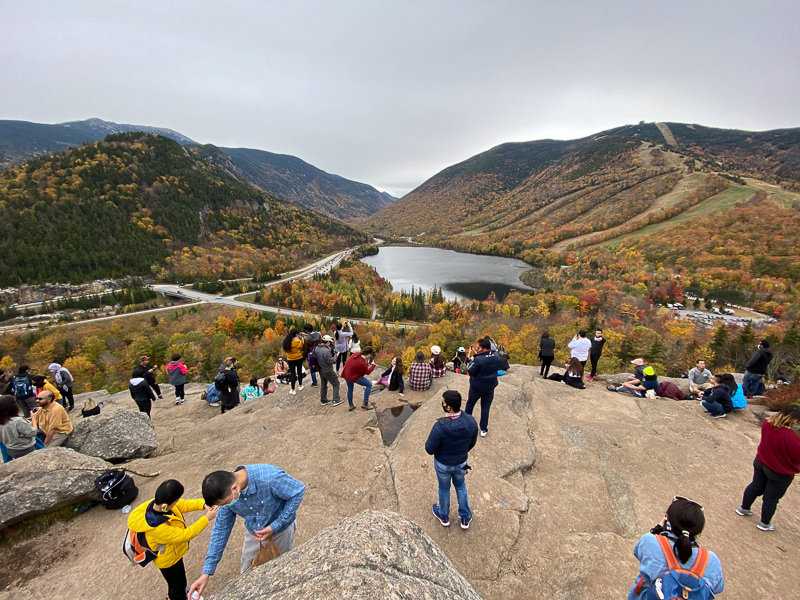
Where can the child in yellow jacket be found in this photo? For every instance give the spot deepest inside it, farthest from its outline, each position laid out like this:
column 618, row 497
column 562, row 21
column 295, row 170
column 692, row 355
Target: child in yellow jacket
column 161, row 521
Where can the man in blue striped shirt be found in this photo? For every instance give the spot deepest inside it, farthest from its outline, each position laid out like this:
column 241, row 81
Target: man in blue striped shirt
column 266, row 497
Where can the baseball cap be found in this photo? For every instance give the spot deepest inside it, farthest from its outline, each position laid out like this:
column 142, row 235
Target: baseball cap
column 143, row 357
column 436, row 350
column 327, row 338
column 461, row 348
column 637, row 361
column 649, row 371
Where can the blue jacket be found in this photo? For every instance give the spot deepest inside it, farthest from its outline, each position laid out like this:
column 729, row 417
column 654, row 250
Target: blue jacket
column 483, row 370
column 737, row 398
column 451, row 440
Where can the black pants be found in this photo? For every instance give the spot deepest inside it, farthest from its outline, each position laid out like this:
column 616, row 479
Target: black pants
column 544, row 371
column 486, row 397
column 179, row 390
column 176, row 581
column 296, row 371
column 341, row 359
column 156, row 389
column 144, row 406
column 68, row 397
column 594, row 360
column 769, row 484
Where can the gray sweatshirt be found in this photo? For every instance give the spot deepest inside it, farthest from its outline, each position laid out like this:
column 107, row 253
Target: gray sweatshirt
column 325, row 359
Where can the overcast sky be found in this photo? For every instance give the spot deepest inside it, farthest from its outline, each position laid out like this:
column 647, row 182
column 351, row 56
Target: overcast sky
column 390, row 93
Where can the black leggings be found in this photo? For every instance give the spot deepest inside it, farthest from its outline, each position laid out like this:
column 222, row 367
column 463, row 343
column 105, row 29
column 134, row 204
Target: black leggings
column 341, row 359
column 545, row 368
column 69, row 398
column 594, row 360
column 176, row 581
column 296, row 371
column 179, row 390
column 769, row 484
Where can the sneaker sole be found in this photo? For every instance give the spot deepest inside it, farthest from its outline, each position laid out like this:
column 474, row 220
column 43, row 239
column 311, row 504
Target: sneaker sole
column 744, row 514
column 764, row 528
column 465, row 526
column 444, row 523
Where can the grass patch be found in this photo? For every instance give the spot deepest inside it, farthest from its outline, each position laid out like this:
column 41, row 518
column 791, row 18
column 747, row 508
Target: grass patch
column 33, row 526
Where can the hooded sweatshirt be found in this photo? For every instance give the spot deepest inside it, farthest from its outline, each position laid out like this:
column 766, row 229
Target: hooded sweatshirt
column 451, row 439
column 140, row 390
column 758, row 364
column 720, row 393
column 63, row 376
column 177, row 372
column 167, row 533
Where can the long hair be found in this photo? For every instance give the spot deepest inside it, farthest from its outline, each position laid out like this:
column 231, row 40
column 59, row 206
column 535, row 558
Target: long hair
column 687, row 520
column 788, row 417
column 338, row 329
column 575, row 368
column 438, row 361
column 729, row 380
column 287, row 341
column 398, row 366
column 8, row 408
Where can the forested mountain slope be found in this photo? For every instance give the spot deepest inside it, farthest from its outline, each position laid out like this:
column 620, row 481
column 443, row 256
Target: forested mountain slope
column 140, row 204
column 303, row 184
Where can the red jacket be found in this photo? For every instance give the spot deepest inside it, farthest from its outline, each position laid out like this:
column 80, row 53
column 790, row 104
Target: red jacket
column 356, row 368
column 779, row 449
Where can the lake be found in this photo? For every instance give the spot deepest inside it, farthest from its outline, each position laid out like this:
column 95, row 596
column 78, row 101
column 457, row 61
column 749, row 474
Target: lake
column 460, row 275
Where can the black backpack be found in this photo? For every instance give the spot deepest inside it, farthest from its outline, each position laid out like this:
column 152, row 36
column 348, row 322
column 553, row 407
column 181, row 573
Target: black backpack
column 220, row 383
column 117, row 487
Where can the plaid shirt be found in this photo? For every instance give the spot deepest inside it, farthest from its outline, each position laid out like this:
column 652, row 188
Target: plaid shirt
column 419, row 376
column 438, row 372
column 271, row 498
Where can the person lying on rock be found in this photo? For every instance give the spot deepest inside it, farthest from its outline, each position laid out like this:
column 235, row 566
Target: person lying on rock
column 673, row 544
column 161, row 520
column 265, row 497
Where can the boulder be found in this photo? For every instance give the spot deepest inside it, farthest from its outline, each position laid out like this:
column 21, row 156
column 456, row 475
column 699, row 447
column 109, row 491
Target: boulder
column 374, row 554
column 115, row 435
column 45, row 481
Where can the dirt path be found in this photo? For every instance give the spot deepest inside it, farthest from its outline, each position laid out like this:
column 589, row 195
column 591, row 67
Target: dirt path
column 662, row 127
column 687, row 185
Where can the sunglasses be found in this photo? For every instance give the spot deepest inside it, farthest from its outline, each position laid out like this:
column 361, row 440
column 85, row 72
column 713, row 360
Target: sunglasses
column 676, row 498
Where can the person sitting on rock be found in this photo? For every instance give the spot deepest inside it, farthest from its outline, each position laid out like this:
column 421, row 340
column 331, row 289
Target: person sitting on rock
column 699, row 378
column 51, row 418
column 420, row 373
column 268, row 386
column 265, row 497
column 673, row 544
column 281, row 370
column 638, row 369
column 161, row 520
column 737, row 394
column 639, row 387
column 437, row 362
column 460, row 361
column 450, row 440
column 392, row 378
column 252, row 391
column 717, row 399
column 573, row 376
column 17, row 435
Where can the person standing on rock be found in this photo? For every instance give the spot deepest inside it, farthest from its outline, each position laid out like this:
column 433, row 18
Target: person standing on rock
column 265, row 497
column 595, row 352
column 482, row 381
column 327, row 373
column 293, row 346
column 312, row 338
column 147, row 371
column 64, row 382
column 341, row 345
column 23, row 390
column 580, row 347
column 777, row 462
column 673, row 544
column 450, row 440
column 228, row 386
column 177, row 377
column 164, row 527
column 547, row 347
column 52, row 419
column 142, row 394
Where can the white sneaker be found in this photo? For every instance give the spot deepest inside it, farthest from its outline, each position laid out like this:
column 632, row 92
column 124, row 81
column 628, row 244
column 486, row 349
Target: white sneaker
column 177, row 400
column 300, row 387
column 183, row 400
column 483, row 432
column 292, row 392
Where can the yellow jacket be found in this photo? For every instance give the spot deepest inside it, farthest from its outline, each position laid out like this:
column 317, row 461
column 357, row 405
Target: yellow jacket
column 167, row 533
column 296, row 351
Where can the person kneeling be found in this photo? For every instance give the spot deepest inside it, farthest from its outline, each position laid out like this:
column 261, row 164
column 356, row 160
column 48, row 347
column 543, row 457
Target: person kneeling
column 717, row 400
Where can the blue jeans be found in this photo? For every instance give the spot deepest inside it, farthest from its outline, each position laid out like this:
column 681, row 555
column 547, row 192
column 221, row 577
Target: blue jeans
column 750, row 383
column 367, row 388
column 445, row 474
column 715, row 408
column 313, row 377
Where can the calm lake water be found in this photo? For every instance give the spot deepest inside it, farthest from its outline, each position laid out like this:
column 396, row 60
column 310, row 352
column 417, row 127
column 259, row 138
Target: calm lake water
column 460, row 275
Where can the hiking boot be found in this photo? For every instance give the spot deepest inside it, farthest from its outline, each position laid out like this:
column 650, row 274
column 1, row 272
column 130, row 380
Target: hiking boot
column 744, row 512
column 484, row 432
column 765, row 526
column 366, row 406
column 213, row 403
column 352, row 407
column 444, row 520
column 337, row 402
column 160, row 397
column 465, row 522
column 722, row 416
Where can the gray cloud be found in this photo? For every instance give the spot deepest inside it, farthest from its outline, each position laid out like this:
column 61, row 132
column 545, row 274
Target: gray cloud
column 390, row 93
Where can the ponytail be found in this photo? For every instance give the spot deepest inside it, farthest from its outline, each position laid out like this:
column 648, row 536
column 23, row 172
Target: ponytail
column 687, row 520
column 683, row 547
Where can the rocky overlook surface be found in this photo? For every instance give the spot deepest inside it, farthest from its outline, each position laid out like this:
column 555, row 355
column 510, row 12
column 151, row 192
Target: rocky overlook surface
column 561, row 488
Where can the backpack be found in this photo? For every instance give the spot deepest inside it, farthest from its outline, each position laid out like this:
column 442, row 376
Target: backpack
column 313, row 365
column 23, row 388
column 676, row 583
column 219, row 382
column 138, row 551
column 211, row 394
column 117, row 487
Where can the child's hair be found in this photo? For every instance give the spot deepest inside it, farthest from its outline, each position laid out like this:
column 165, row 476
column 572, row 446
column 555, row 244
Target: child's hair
column 168, row 492
column 687, row 520
column 176, row 356
column 254, row 381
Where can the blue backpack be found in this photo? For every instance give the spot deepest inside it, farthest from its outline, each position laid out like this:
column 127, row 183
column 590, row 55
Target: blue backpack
column 677, row 583
column 212, row 394
column 23, row 388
